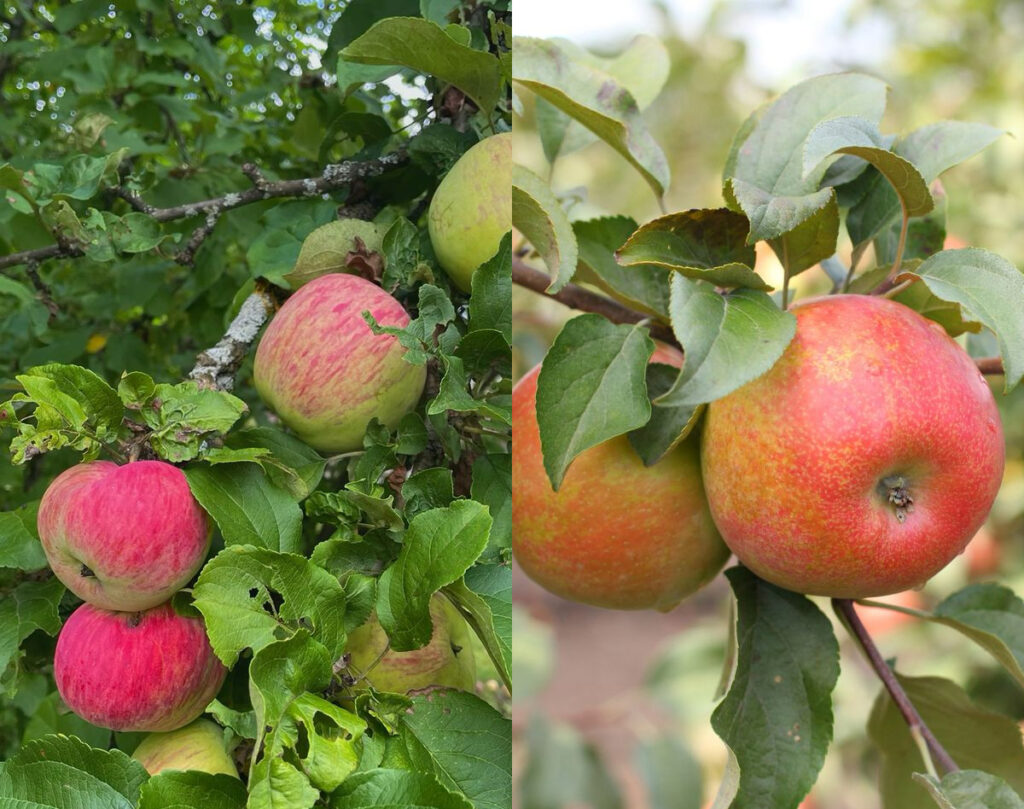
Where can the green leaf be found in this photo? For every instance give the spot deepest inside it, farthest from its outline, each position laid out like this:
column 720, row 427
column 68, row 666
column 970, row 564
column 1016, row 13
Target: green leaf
column 32, row 606
column 670, row 772
column 282, row 671
column 395, row 788
column 777, row 715
column 484, row 597
column 278, row 784
column 19, row 544
column 490, row 305
column 247, row 507
column 78, row 394
column 492, row 486
column 425, row 47
column 563, row 769
column 947, row 314
column 715, row 330
column 467, row 742
column 538, row 215
column 813, row 240
column 427, row 489
column 591, row 388
column 970, row 789
column 334, row 735
column 974, row 737
column 705, row 244
column 989, row 289
column 438, row 548
column 454, row 394
column 292, row 465
column 669, row 425
column 641, row 286
column 62, row 771
column 173, row 789
column 767, row 180
column 248, row 594
column 182, row 416
column 595, row 99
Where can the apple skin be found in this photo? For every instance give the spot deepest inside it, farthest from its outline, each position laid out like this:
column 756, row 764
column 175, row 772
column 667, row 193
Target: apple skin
column 152, row 670
column 794, row 461
column 472, row 209
column 436, row 664
column 616, row 534
column 326, row 374
column 197, row 746
column 123, row 537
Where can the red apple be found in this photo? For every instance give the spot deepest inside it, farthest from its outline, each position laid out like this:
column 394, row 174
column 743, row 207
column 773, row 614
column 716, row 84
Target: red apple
column 617, row 533
column 447, row 660
column 863, row 461
column 197, row 746
column 151, row 670
column 123, row 537
column 325, row 373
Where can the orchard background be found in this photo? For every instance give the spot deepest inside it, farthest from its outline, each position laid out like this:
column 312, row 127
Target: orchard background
column 623, row 699
column 161, row 165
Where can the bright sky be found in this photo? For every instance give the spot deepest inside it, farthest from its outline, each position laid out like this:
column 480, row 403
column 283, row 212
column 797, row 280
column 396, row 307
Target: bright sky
column 785, row 38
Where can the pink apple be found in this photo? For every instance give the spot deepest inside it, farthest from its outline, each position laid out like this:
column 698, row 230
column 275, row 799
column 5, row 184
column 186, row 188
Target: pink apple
column 151, row 670
column 123, row 537
column 325, row 373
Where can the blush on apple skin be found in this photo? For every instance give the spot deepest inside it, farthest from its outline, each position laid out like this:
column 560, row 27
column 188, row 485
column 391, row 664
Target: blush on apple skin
column 123, row 537
column 136, row 671
column 321, row 368
column 863, row 462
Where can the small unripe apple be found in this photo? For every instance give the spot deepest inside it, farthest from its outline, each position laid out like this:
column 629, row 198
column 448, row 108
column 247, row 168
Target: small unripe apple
column 863, row 462
column 152, row 670
column 447, row 660
column 326, row 374
column 123, row 537
column 472, row 209
column 197, row 746
column 616, row 534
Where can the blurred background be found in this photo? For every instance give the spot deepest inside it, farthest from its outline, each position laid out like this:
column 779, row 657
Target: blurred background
column 612, row 709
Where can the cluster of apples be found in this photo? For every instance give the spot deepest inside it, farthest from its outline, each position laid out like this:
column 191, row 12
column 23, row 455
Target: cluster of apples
column 860, row 465
column 124, row 539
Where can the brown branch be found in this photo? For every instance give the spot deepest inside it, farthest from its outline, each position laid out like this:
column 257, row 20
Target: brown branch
column 990, row 365
column 45, row 293
column 576, row 297
column 848, row 614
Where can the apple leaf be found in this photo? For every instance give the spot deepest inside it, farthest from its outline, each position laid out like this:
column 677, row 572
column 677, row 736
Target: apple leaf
column 970, row 789
column 334, row 736
column 380, row 787
column 438, row 548
column 32, row 605
column 706, row 244
column 767, row 180
column 59, row 771
column 490, row 305
column 425, row 47
column 641, row 286
column 538, row 215
column 192, row 789
column 990, row 290
column 729, row 340
column 275, row 783
column 595, row 99
column 465, row 742
column 976, row 738
column 291, row 464
column 248, row 595
column 247, row 507
column 484, row 597
column 947, row 314
column 668, row 425
column 19, row 543
column 777, row 715
column 591, row 388
column 813, row 240
column 492, row 486
column 282, row 671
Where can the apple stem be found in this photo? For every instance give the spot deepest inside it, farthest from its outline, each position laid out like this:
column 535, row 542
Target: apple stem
column 848, row 614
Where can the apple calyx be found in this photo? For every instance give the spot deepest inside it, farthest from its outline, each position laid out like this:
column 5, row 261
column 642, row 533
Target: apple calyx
column 897, row 494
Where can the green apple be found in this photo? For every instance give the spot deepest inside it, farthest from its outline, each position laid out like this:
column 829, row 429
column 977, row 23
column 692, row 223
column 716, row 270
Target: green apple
column 198, row 746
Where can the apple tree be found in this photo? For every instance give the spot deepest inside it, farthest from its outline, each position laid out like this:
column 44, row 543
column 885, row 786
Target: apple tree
column 850, row 444
column 176, row 178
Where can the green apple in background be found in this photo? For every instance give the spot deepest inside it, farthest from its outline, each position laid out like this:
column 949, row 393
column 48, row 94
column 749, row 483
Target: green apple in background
column 199, row 746
column 472, row 209
column 447, row 660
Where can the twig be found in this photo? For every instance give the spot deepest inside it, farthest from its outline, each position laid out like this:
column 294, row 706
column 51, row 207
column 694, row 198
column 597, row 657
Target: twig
column 576, row 297
column 216, row 367
column 848, row 614
column 990, row 365
column 45, row 293
column 187, row 254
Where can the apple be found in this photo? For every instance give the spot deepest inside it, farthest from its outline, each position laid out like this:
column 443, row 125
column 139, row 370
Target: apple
column 472, row 209
column 326, row 374
column 863, row 461
column 123, row 537
column 152, row 670
column 616, row 534
column 447, row 660
column 197, row 746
